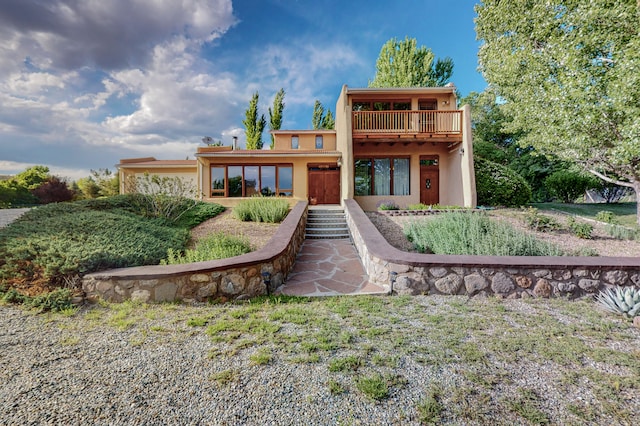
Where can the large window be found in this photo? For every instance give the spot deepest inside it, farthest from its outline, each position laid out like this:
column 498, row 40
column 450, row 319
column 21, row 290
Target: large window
column 382, row 176
column 249, row 180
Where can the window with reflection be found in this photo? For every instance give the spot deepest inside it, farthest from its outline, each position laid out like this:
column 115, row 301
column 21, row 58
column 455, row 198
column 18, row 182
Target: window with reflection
column 319, row 142
column 382, row 176
column 250, row 180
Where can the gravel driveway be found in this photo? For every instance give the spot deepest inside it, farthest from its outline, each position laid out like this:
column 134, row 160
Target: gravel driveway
column 9, row 215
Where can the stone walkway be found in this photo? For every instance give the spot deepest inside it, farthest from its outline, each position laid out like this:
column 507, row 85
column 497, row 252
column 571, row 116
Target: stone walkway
column 328, row 268
column 9, row 215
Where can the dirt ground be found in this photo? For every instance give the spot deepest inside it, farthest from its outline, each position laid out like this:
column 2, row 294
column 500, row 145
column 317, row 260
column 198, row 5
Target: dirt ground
column 258, row 234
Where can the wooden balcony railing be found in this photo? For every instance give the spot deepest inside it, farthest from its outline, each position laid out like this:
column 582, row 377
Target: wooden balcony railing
column 407, row 122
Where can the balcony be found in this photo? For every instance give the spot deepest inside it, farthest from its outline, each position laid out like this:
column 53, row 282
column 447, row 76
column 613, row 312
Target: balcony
column 410, row 123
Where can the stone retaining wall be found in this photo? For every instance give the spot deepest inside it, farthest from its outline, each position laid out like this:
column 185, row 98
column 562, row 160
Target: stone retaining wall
column 505, row 276
column 233, row 278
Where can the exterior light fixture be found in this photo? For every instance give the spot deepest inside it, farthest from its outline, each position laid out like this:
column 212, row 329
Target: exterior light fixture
column 392, row 279
column 266, row 278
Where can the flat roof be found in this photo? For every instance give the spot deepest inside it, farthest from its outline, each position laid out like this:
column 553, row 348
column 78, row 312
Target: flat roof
column 400, row 90
column 145, row 162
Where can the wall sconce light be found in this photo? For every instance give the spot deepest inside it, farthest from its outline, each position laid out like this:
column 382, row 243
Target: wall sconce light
column 392, row 280
column 445, row 102
column 266, row 278
column 339, row 162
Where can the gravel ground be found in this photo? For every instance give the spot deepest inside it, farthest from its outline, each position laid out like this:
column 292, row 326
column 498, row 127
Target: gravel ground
column 84, row 369
column 9, row 215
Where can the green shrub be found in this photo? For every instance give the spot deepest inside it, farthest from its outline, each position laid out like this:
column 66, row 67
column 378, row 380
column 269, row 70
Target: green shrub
column 55, row 301
column 262, row 209
column 567, row 186
column 580, row 229
column 622, row 232
column 198, row 214
column 61, row 240
column 497, row 185
column 539, row 222
column 215, row 246
column 387, row 205
column 474, row 234
column 607, row 216
column 419, row 206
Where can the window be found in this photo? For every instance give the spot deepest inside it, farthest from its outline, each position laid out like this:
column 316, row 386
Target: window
column 382, row 176
column 249, row 180
column 363, row 176
column 217, row 181
column 295, row 143
column 319, row 142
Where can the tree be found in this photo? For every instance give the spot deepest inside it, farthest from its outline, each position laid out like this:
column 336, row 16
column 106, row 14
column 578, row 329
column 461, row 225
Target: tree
column 253, row 125
column 320, row 120
column 88, row 188
column 107, row 181
column 403, row 64
column 53, row 190
column 275, row 115
column 567, row 71
column 492, row 142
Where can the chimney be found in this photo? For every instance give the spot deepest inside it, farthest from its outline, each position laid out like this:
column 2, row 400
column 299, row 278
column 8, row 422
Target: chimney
column 235, row 143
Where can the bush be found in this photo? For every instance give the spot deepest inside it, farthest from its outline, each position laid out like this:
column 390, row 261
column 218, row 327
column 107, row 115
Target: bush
column 55, row 301
column 540, row 222
column 53, row 190
column 606, row 216
column 622, row 232
column 497, row 185
column 262, row 209
column 387, row 205
column 567, row 185
column 474, row 234
column 215, row 246
column 48, row 244
column 580, row 229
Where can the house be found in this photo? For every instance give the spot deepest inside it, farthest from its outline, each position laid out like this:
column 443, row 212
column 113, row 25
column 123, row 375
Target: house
column 406, row 145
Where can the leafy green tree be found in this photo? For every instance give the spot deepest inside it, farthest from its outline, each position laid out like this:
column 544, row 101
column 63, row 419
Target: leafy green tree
column 275, row 114
column 492, row 142
column 320, row 119
column 568, row 73
column 88, row 188
column 254, row 125
column 402, row 63
column 328, row 121
column 107, row 181
column 569, row 185
column 318, row 115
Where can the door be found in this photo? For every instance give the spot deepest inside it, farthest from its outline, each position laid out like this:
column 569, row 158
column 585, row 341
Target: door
column 324, row 185
column 429, row 180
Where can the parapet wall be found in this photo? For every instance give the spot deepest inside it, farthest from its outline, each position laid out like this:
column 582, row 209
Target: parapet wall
column 233, row 278
column 505, row 276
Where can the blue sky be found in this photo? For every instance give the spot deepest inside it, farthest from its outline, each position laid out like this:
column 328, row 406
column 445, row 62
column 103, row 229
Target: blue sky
column 84, row 83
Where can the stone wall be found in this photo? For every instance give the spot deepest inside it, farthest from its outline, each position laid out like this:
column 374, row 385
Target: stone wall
column 504, row 276
column 233, row 278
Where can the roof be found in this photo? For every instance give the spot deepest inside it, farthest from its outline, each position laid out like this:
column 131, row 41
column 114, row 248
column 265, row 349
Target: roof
column 305, row 132
column 401, row 90
column 150, row 162
column 271, row 153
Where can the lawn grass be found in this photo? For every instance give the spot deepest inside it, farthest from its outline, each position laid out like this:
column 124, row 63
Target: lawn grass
column 482, row 355
column 625, row 212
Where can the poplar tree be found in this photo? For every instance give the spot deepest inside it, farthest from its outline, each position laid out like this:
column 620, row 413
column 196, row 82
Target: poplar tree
column 275, row 114
column 254, row 125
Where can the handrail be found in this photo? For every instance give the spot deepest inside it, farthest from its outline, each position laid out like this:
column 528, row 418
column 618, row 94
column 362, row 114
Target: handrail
column 414, row 122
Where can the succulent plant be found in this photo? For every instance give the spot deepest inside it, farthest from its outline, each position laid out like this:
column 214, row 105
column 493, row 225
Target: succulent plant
column 622, row 300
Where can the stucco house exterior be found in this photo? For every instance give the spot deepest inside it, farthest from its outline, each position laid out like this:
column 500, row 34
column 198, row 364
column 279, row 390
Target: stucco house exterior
column 406, row 145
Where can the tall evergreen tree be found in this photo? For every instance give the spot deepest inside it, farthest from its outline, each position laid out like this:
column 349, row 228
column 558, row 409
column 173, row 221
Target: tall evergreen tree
column 568, row 74
column 318, row 115
column 254, row 125
column 328, row 122
column 275, row 114
column 402, row 63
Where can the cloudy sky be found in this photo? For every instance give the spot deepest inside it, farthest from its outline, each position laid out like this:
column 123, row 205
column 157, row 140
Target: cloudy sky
column 84, row 83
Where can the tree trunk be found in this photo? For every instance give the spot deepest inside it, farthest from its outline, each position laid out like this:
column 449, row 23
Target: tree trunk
column 636, row 188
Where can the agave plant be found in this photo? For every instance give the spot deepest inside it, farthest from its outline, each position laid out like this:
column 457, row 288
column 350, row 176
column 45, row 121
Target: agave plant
column 624, row 301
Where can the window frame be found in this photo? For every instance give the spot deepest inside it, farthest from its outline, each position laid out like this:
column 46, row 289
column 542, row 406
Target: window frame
column 217, row 193
column 321, row 144
column 372, row 174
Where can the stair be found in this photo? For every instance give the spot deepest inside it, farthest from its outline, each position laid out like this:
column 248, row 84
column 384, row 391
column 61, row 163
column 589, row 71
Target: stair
column 326, row 224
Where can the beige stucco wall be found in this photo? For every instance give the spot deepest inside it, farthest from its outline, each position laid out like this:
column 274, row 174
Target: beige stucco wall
column 306, row 140
column 344, row 145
